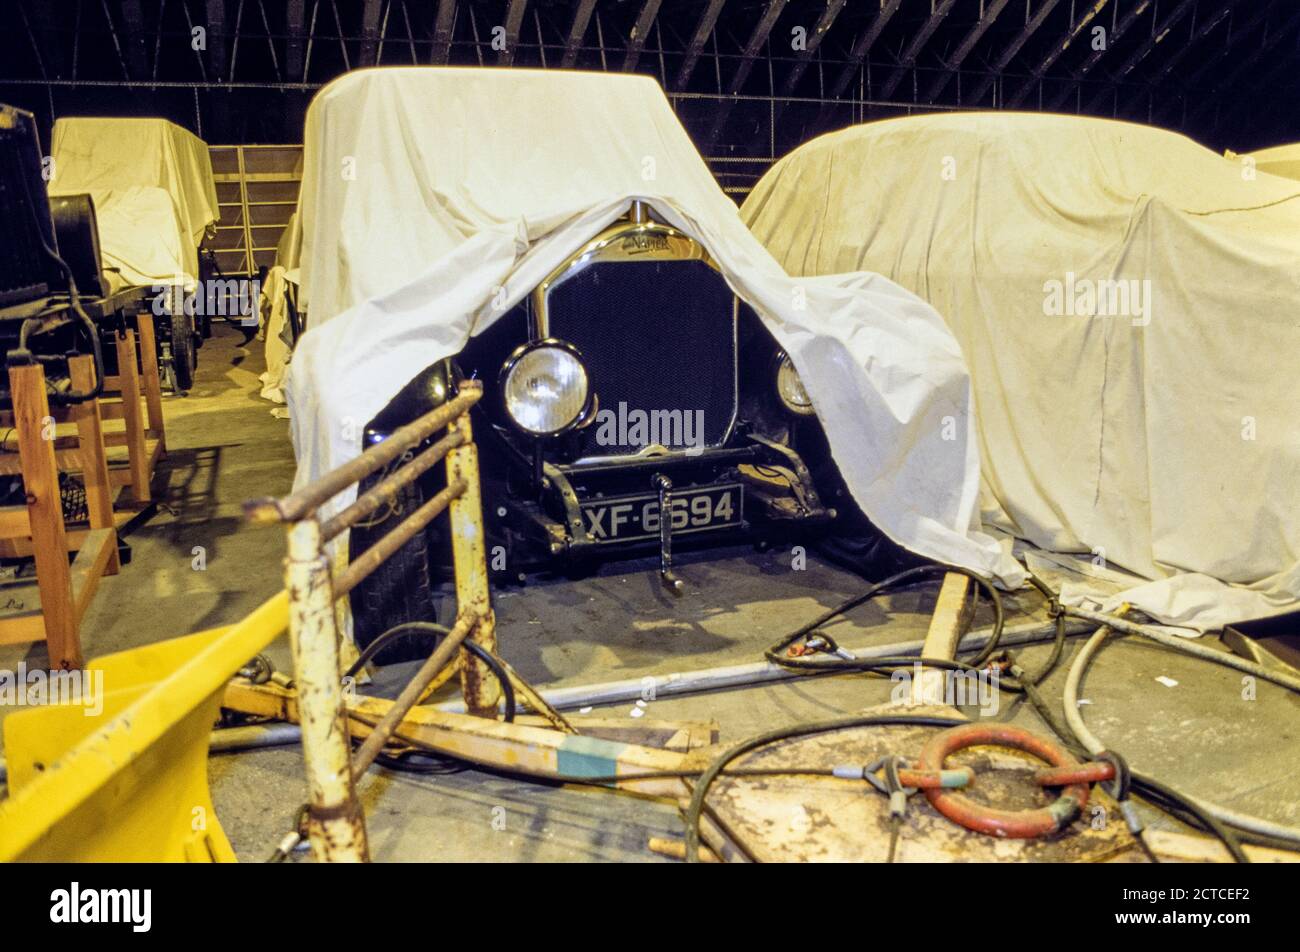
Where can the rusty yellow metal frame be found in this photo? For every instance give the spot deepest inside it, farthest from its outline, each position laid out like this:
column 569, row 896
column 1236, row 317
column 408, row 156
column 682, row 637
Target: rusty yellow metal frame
column 531, row 746
column 132, row 784
column 330, row 720
column 335, row 821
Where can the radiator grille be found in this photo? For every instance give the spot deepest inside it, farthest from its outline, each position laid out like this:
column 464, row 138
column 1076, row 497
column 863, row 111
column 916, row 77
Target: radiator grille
column 657, row 337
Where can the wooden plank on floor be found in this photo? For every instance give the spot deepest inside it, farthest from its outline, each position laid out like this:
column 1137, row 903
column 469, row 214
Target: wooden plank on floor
column 946, row 626
column 1185, row 848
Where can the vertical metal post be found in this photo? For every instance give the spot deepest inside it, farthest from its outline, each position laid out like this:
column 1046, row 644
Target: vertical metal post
column 469, row 551
column 336, row 824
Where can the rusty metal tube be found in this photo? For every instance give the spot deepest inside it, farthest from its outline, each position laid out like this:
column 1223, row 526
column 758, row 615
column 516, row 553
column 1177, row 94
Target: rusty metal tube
column 671, row 685
column 253, row 737
column 335, row 822
column 378, row 553
column 762, row 672
column 469, row 553
column 306, row 500
column 386, row 491
column 441, row 656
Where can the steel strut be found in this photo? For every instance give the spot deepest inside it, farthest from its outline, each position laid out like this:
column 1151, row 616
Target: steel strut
column 670, row 580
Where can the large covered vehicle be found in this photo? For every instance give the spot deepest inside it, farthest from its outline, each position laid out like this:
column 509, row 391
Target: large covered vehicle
column 1126, row 302
column 154, row 195
column 642, row 354
column 1283, row 160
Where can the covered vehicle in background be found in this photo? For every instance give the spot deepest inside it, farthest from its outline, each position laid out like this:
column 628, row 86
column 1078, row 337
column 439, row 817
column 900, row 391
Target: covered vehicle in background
column 278, row 312
column 557, row 236
column 1283, row 160
column 155, row 197
column 1126, row 302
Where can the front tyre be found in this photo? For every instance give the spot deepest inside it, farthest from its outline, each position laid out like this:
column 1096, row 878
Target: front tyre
column 402, row 589
column 184, row 359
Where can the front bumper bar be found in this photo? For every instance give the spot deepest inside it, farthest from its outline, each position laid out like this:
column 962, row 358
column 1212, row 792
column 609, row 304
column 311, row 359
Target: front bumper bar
column 779, row 492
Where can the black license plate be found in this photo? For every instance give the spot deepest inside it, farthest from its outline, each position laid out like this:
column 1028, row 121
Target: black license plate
column 625, row 518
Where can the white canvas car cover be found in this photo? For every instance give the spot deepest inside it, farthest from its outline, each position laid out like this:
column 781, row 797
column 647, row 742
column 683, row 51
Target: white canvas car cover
column 274, row 310
column 153, row 189
column 425, row 190
column 1161, row 434
column 1283, row 160
column 273, row 314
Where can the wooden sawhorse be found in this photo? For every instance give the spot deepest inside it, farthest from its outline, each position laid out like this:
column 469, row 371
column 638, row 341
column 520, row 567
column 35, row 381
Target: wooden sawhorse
column 38, row 529
column 143, row 434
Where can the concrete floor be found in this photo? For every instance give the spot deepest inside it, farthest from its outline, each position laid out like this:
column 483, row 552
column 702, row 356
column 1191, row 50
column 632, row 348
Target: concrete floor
column 1200, row 735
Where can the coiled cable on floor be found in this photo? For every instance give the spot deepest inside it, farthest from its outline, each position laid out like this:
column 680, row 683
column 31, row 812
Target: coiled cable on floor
column 1211, row 815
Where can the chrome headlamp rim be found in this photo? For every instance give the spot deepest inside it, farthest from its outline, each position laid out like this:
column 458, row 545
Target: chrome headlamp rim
column 783, row 362
column 511, row 362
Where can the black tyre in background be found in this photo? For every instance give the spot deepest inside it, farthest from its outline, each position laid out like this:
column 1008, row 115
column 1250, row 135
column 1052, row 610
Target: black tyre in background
column 184, row 358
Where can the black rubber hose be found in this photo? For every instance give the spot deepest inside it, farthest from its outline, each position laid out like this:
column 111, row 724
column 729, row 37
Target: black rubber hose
column 715, row 769
column 1148, row 786
column 1058, row 642
column 438, row 632
column 1150, row 789
column 412, row 760
column 74, row 302
column 775, row 655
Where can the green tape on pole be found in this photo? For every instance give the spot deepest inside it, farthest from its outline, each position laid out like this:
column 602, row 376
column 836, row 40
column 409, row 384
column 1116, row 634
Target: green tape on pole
column 582, row 756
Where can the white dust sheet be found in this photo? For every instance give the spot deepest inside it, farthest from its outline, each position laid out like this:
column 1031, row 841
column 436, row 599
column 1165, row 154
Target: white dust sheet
column 154, row 194
column 1159, row 436
column 425, row 190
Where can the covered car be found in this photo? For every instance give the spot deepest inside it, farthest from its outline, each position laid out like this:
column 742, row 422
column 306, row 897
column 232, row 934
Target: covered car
column 130, row 163
column 1125, row 300
column 1283, row 160
column 154, row 196
column 556, row 235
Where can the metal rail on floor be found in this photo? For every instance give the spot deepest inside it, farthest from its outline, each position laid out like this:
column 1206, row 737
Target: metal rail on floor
column 336, row 822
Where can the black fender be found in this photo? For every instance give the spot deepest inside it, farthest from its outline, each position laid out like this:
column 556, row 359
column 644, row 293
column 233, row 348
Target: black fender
column 853, row 541
column 405, row 587
column 77, row 232
column 429, row 389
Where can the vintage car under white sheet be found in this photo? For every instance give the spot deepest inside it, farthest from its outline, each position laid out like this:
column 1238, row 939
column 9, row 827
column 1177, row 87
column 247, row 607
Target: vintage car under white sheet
column 153, row 189
column 1126, row 302
column 1283, row 160
column 436, row 200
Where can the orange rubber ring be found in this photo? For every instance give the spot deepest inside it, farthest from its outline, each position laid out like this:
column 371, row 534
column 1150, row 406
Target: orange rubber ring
column 1005, row 824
